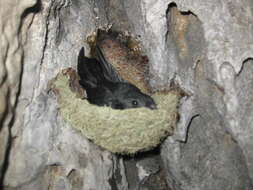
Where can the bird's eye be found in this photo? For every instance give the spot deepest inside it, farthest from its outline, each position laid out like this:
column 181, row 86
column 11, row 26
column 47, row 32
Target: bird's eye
column 134, row 102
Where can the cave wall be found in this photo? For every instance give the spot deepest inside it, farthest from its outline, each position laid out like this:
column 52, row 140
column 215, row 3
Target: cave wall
column 205, row 47
column 10, row 69
column 48, row 154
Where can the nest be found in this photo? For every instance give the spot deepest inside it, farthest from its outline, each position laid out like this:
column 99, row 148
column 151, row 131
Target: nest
column 119, row 131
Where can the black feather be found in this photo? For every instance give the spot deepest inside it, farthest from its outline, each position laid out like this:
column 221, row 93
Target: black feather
column 104, row 87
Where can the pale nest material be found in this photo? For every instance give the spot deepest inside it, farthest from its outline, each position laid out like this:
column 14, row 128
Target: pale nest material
column 119, row 131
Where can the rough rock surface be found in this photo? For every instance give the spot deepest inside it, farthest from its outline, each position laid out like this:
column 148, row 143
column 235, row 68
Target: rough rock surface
column 205, row 46
column 47, row 154
column 205, row 52
column 10, row 69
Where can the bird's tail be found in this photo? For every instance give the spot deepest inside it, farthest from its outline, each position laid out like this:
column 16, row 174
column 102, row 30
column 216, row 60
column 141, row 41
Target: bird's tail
column 90, row 71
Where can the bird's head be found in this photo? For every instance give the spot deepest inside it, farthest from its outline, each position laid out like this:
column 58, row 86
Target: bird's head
column 130, row 96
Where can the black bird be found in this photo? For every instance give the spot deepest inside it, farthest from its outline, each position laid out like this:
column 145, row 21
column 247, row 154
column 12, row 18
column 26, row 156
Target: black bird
column 98, row 80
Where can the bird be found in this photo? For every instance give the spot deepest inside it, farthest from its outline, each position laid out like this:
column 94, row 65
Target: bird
column 104, row 88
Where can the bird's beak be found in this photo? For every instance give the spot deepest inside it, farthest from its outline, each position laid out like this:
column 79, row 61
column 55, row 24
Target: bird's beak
column 153, row 106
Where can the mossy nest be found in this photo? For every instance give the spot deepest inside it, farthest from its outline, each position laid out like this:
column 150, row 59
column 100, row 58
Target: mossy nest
column 119, row 131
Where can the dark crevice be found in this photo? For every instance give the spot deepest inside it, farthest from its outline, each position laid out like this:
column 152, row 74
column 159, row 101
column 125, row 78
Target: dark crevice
column 4, row 114
column 31, row 10
column 6, row 161
column 34, row 9
column 174, row 5
column 188, row 128
column 151, row 163
column 116, row 177
column 75, row 179
column 243, row 63
column 171, row 5
column 112, row 182
column 170, row 19
column 4, row 56
column 141, row 155
column 7, row 154
column 131, row 170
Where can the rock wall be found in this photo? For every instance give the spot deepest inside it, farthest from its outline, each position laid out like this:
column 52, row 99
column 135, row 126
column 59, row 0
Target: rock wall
column 46, row 153
column 10, row 69
column 204, row 46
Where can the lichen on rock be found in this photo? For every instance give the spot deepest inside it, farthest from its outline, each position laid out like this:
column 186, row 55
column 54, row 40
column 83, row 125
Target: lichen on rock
column 119, row 131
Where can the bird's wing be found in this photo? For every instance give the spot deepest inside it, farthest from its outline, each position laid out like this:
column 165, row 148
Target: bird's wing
column 87, row 77
column 108, row 70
